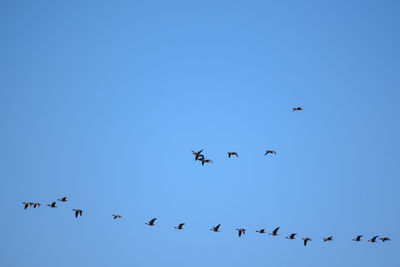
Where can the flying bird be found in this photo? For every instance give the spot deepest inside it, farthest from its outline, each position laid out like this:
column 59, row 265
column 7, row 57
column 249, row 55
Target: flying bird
column 241, row 231
column 385, row 239
column 358, row 238
column 36, row 205
column 269, row 152
column 275, row 232
column 116, row 216
column 306, row 240
column 215, row 228
column 179, row 227
column 151, row 222
column 291, row 236
column 52, row 205
column 205, row 161
column 261, row 231
column 232, row 154
column 330, row 238
column 197, row 154
column 27, row 204
column 63, row 199
column 373, row 240
column 297, row 108
column 77, row 212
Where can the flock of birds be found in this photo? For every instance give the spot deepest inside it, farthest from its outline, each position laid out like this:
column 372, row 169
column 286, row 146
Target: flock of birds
column 198, row 156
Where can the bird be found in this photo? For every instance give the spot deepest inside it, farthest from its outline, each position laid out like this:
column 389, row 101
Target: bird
column 116, row 216
column 63, row 199
column 241, row 231
column 297, row 108
column 232, row 154
column 179, row 227
column 52, row 205
column 373, row 240
column 27, row 204
column 36, row 205
column 358, row 238
column 306, row 240
column 330, row 238
column 261, row 231
column 291, row 236
column 385, row 239
column 269, row 152
column 215, row 228
column 77, row 212
column 275, row 232
column 197, row 154
column 206, row 161
column 151, row 222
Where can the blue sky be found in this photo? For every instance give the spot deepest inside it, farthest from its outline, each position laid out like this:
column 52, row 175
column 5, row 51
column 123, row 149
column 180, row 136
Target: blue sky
column 102, row 101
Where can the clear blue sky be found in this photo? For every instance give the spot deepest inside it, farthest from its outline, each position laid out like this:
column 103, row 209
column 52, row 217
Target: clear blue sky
column 102, row 101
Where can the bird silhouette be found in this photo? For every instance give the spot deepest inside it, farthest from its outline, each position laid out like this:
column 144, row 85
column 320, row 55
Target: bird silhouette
column 275, row 232
column 52, row 205
column 269, row 152
column 297, row 108
column 151, row 222
column 373, row 240
column 306, row 240
column 77, row 212
column 180, row 226
column 36, row 205
column 215, row 228
column 205, row 161
column 63, row 199
column 384, row 239
column 197, row 154
column 116, row 216
column 241, row 231
column 291, row 236
column 261, row 231
column 330, row 238
column 27, row 204
column 358, row 238
column 232, row 154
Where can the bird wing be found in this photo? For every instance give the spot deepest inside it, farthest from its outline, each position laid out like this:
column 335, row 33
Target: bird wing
column 240, row 232
column 305, row 242
column 275, row 231
column 217, row 227
column 180, row 225
column 152, row 221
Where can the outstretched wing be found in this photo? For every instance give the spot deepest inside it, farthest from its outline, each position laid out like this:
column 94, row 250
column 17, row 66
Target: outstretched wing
column 275, row 231
column 217, row 227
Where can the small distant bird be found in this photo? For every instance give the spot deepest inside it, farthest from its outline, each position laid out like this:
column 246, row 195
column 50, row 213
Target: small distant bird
column 52, row 205
column 151, row 222
column 297, row 108
column 261, row 231
column 275, row 232
column 63, row 199
column 291, row 236
column 330, row 238
column 27, row 204
column 215, row 228
column 232, row 154
column 179, row 227
column 77, row 212
column 197, row 154
column 116, row 216
column 385, row 239
column 358, row 238
column 306, row 240
column 36, row 205
column 373, row 240
column 241, row 231
column 269, row 152
column 206, row 161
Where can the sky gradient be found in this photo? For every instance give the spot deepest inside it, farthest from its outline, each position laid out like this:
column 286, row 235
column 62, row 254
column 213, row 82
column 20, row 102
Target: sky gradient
column 103, row 101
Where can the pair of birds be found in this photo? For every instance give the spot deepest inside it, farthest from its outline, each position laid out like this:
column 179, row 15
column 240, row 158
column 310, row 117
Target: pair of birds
column 373, row 240
column 151, row 223
column 200, row 157
column 53, row 204
column 30, row 204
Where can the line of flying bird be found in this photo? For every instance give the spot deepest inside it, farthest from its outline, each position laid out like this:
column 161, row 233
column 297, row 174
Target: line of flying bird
column 241, row 231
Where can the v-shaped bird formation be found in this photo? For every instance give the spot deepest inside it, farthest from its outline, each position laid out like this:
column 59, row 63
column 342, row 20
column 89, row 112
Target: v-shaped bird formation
column 198, row 156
